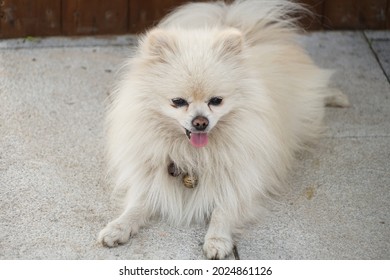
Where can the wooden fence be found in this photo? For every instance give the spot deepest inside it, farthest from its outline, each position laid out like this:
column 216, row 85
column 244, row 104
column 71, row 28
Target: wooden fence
column 21, row 18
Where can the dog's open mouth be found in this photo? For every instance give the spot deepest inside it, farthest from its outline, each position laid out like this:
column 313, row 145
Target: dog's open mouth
column 197, row 139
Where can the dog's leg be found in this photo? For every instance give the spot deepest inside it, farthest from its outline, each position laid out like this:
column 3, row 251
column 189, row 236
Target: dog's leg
column 126, row 225
column 218, row 241
column 335, row 98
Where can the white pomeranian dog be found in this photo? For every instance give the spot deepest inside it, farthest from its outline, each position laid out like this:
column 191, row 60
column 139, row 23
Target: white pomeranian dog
column 207, row 117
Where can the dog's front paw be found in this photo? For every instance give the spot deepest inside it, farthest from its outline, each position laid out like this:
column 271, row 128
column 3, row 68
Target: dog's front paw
column 217, row 248
column 116, row 233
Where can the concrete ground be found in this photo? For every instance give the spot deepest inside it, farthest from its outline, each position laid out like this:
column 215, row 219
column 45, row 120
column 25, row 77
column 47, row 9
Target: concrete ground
column 53, row 195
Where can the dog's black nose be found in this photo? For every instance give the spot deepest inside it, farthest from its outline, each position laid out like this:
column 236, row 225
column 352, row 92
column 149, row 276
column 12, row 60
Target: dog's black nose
column 200, row 123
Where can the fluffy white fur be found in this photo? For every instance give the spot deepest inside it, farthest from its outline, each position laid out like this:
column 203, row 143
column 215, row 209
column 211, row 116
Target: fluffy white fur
column 273, row 99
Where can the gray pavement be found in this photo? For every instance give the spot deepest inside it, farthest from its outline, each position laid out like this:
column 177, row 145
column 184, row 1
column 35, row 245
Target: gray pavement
column 53, row 195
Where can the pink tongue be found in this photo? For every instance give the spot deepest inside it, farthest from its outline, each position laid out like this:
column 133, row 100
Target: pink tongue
column 199, row 140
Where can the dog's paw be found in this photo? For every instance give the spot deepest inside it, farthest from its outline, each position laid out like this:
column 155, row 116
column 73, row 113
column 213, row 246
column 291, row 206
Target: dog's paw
column 116, row 233
column 218, row 248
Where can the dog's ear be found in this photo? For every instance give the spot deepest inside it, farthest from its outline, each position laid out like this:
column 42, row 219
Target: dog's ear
column 229, row 42
column 159, row 43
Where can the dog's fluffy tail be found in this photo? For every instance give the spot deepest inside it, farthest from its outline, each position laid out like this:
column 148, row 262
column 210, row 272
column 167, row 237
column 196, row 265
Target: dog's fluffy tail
column 251, row 17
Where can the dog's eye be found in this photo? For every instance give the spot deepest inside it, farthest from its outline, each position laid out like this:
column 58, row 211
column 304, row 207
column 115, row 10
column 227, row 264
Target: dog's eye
column 215, row 101
column 179, row 102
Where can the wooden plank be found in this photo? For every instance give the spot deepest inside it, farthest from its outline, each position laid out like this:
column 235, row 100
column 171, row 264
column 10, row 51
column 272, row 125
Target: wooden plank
column 341, row 14
column 372, row 14
column 352, row 14
column 313, row 21
column 388, row 15
column 20, row 18
column 91, row 17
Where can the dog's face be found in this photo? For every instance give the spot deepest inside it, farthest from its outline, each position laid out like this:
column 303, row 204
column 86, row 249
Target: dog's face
column 195, row 78
column 198, row 116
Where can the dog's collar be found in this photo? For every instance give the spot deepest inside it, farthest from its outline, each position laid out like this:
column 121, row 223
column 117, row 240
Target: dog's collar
column 188, row 180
